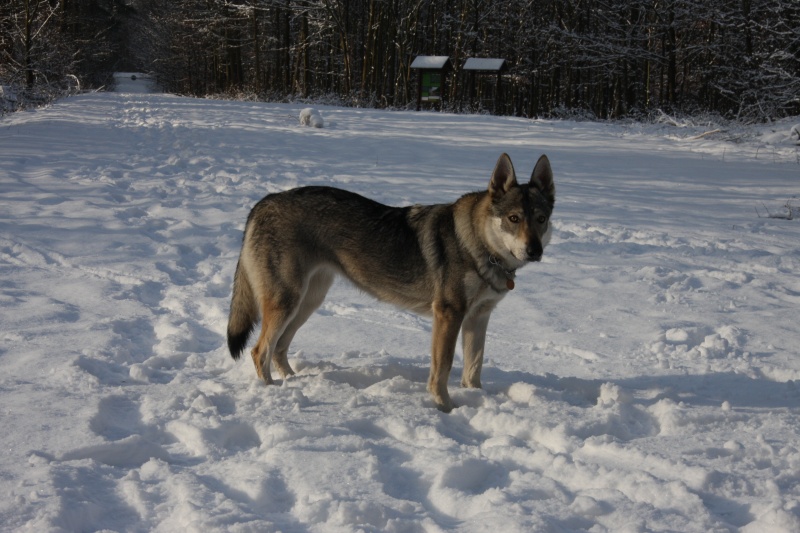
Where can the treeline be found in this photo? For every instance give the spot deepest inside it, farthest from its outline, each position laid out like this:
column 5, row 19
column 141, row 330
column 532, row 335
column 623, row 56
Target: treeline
column 604, row 59
column 49, row 48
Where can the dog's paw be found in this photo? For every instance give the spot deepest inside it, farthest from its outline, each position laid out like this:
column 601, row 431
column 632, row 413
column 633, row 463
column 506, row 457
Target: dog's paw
column 284, row 369
column 446, row 408
column 471, row 384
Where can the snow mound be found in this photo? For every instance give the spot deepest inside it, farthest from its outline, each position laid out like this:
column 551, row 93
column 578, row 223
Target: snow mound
column 311, row 117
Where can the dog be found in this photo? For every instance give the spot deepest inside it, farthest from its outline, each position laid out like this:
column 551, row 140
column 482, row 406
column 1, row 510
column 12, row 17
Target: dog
column 453, row 262
column 311, row 117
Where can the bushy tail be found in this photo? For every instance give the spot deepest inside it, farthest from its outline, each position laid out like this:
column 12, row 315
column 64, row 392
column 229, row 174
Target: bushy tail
column 244, row 313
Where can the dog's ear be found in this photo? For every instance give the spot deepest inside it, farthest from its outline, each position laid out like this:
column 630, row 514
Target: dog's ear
column 542, row 179
column 503, row 177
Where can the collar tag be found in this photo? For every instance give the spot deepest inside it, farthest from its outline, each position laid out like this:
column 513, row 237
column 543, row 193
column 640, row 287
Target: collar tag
column 509, row 273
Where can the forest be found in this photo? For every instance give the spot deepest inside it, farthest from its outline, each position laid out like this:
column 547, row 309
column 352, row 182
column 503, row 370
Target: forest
column 585, row 58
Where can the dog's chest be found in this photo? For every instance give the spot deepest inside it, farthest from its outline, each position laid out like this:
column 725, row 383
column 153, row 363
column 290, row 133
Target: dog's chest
column 480, row 294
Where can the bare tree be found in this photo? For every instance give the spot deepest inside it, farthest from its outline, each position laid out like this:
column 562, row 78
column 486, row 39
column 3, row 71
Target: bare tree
column 598, row 58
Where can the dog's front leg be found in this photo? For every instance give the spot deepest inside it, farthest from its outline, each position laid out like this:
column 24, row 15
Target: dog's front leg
column 446, row 324
column 473, row 339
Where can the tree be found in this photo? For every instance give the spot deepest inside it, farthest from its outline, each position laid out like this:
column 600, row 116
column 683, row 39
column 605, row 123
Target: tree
column 52, row 48
column 600, row 58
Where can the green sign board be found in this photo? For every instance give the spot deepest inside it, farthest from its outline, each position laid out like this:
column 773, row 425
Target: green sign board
column 431, row 86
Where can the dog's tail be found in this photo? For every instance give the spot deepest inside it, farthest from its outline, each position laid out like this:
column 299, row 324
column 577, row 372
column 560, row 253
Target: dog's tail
column 244, row 312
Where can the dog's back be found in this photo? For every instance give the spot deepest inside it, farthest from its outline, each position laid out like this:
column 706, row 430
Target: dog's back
column 377, row 247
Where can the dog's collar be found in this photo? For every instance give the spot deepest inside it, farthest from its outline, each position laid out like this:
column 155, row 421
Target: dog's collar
column 509, row 274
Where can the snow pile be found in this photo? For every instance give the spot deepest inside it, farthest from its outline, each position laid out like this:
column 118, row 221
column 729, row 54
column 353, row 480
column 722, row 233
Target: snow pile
column 643, row 377
column 311, row 117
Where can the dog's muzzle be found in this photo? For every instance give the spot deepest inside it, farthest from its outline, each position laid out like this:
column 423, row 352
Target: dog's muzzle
column 535, row 251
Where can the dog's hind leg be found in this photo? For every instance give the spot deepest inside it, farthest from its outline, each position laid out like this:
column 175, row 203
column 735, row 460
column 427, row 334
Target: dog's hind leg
column 276, row 312
column 317, row 289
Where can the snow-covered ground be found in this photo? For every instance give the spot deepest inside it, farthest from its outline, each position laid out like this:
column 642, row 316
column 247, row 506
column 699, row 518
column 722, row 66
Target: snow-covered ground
column 644, row 377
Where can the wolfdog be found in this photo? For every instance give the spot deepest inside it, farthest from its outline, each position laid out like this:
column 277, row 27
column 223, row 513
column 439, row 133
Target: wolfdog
column 452, row 261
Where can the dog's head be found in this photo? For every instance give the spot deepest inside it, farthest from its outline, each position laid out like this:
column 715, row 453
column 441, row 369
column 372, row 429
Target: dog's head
column 520, row 227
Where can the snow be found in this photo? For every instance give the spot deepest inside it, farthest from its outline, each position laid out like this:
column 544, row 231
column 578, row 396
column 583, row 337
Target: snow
column 430, row 62
column 643, row 377
column 484, row 63
column 311, row 117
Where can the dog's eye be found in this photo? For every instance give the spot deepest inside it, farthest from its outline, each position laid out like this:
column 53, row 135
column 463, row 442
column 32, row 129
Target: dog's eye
column 542, row 219
column 514, row 219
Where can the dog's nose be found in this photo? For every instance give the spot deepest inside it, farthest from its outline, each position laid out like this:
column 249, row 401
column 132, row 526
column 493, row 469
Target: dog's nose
column 535, row 251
